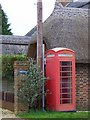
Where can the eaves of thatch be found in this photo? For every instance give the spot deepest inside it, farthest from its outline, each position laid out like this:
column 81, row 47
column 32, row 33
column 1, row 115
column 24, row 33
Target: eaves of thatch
column 66, row 27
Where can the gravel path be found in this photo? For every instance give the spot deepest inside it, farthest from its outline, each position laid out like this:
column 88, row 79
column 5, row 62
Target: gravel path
column 6, row 113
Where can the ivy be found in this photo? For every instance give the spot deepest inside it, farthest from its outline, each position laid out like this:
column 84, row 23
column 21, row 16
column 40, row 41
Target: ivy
column 8, row 65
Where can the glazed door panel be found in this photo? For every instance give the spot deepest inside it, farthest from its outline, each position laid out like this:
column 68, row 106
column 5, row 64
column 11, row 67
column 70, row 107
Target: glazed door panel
column 66, row 97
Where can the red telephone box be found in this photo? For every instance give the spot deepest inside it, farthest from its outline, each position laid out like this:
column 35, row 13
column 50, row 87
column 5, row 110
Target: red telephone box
column 60, row 83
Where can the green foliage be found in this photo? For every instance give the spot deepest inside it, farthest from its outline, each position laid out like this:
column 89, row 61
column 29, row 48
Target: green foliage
column 30, row 91
column 7, row 65
column 4, row 25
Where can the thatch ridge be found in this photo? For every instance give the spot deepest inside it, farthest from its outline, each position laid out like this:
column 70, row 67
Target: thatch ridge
column 13, row 39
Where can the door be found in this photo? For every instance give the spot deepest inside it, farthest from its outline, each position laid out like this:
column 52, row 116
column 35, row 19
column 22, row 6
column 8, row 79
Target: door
column 66, row 89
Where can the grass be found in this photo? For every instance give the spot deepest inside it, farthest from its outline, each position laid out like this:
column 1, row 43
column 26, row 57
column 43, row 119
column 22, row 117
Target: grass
column 50, row 114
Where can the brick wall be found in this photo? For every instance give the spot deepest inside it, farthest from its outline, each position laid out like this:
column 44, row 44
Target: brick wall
column 82, row 86
column 18, row 106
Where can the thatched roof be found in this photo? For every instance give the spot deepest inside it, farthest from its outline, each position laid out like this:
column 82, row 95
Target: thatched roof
column 13, row 39
column 66, row 27
column 12, row 44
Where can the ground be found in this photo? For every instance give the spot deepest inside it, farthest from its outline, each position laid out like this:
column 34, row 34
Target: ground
column 47, row 114
column 7, row 113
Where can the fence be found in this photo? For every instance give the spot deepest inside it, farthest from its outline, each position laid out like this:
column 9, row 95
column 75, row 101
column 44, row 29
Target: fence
column 7, row 99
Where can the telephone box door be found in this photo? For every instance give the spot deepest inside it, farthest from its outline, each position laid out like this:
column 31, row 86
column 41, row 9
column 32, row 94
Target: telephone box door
column 67, row 85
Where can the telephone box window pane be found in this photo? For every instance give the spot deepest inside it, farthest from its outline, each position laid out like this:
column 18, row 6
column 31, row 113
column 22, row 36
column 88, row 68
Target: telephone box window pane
column 66, row 101
column 65, row 73
column 66, row 96
column 65, row 85
column 66, row 68
column 66, row 63
column 65, row 90
column 65, row 80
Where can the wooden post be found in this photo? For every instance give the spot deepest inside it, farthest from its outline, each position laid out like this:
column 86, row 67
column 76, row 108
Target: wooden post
column 39, row 33
column 40, row 46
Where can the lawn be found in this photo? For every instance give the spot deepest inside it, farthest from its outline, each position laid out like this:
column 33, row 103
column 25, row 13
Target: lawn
column 50, row 114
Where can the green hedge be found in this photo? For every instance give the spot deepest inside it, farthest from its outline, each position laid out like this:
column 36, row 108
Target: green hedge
column 7, row 65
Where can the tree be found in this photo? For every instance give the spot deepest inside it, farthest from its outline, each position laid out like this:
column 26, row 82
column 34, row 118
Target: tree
column 30, row 91
column 4, row 25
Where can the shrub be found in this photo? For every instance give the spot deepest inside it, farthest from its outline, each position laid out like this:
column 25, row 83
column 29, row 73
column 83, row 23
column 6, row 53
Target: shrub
column 30, row 91
column 7, row 65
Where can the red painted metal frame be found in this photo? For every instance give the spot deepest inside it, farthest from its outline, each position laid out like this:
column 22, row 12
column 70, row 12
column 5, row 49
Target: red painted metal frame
column 53, row 80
